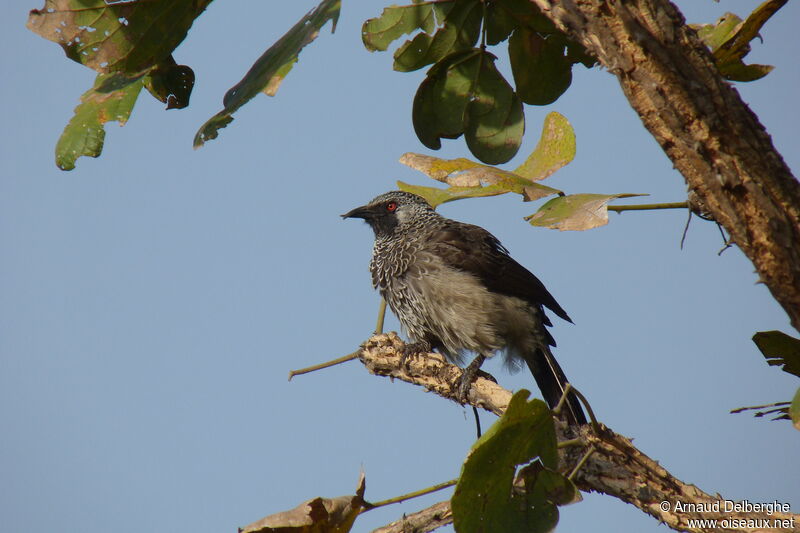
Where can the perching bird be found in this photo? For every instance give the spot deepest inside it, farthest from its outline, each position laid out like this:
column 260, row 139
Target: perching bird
column 455, row 288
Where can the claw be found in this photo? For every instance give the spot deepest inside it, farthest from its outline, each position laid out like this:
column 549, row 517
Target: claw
column 413, row 349
column 464, row 383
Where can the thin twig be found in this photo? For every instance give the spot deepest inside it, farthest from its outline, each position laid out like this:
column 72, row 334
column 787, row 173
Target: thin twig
column 397, row 499
column 583, row 460
column 585, row 402
column 570, row 442
column 320, row 366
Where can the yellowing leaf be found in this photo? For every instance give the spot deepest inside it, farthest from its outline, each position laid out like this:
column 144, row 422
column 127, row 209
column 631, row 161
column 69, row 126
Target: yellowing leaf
column 555, row 149
column 794, row 410
column 468, row 179
column 436, row 197
column 575, row 212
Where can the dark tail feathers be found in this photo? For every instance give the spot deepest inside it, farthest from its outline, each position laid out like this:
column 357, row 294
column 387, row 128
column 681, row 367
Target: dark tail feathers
column 552, row 382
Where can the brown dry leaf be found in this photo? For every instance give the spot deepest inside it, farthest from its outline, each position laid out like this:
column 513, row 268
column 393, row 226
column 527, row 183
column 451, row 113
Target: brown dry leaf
column 318, row 515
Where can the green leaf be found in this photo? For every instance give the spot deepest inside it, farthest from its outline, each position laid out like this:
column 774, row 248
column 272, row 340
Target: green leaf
column 738, row 71
column 540, row 66
column 462, row 24
column 555, row 149
column 525, row 13
column 494, row 119
column 486, row 498
column 127, row 37
column 794, row 410
column 499, row 23
column 737, row 45
column 715, row 35
column 575, row 212
column 779, row 349
column 549, row 485
column 441, row 100
column 271, row 68
column 85, row 132
column 464, row 93
column 729, row 40
column 395, row 21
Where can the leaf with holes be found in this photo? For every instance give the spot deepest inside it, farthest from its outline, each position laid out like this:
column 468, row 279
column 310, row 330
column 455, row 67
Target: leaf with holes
column 127, row 37
column 395, row 21
column 271, row 68
column 575, row 212
column 462, row 24
column 85, row 133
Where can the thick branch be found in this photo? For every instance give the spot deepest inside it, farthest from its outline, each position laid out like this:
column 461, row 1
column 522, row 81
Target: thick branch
column 701, row 123
column 616, row 467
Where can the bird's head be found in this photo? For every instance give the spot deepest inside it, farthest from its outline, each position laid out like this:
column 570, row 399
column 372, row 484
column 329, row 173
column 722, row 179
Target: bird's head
column 392, row 211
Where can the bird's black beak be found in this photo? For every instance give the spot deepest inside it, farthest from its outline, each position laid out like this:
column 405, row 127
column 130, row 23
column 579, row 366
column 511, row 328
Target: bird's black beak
column 359, row 212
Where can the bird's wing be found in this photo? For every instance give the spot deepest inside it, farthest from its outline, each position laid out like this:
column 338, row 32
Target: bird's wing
column 473, row 249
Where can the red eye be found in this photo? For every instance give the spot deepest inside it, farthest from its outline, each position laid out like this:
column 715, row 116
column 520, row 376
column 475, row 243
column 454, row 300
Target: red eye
column 391, row 207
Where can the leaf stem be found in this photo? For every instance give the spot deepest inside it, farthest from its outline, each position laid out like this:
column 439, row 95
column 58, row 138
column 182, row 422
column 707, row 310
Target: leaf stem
column 644, row 207
column 397, row 499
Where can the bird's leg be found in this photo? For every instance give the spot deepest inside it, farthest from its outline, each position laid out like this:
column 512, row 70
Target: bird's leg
column 467, row 377
column 413, row 349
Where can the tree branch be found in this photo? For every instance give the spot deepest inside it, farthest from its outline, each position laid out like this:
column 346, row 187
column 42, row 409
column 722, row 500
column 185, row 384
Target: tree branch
column 701, row 123
column 423, row 521
column 616, row 468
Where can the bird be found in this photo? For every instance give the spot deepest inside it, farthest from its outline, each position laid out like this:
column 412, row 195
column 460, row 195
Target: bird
column 456, row 289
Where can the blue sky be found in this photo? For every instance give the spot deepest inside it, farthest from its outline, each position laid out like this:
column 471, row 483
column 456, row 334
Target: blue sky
column 155, row 299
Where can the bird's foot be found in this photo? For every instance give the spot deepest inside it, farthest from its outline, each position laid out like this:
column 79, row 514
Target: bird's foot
column 464, row 383
column 413, row 349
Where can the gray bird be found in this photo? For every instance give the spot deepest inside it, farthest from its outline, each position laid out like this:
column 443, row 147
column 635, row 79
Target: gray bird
column 456, row 289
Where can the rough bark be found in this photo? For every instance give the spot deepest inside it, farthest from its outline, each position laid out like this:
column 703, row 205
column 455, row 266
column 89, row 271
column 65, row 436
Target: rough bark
column 615, row 467
column 702, row 124
column 423, row 521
